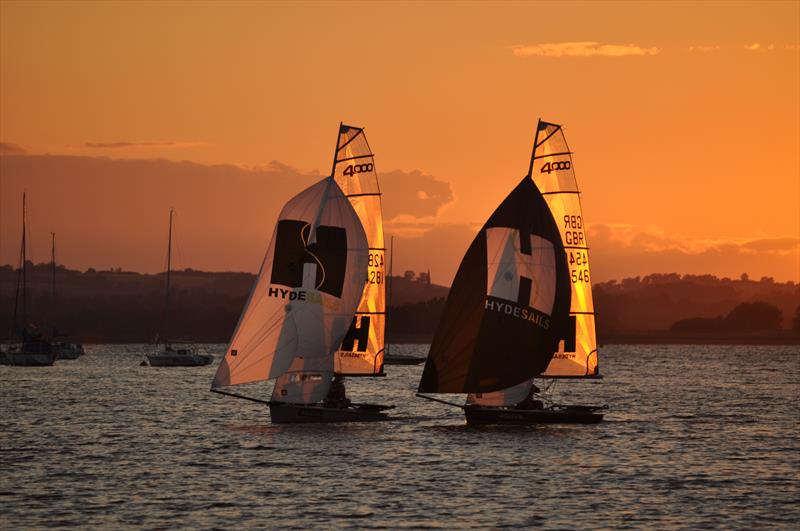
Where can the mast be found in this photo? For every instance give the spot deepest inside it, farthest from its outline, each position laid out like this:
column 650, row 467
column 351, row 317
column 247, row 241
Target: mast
column 169, row 270
column 24, row 264
column 53, row 281
column 20, row 277
column 389, row 287
column 53, row 268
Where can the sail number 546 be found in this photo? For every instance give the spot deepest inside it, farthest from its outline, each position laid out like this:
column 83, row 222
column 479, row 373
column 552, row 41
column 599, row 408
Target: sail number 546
column 579, row 275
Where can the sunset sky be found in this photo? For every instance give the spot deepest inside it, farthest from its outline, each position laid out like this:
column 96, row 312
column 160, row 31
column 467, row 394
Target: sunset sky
column 684, row 119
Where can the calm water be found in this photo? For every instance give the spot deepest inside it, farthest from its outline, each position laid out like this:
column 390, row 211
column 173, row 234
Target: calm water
column 696, row 437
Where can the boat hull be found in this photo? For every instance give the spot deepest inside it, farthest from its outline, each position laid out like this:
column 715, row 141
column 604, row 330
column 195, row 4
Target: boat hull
column 29, row 359
column 402, row 360
column 179, row 360
column 306, row 414
column 481, row 415
column 69, row 352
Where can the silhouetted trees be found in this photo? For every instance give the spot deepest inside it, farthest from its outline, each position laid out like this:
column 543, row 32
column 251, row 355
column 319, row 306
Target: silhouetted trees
column 746, row 317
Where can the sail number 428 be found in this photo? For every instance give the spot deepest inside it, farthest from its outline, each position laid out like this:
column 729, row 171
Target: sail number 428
column 376, row 261
column 357, row 168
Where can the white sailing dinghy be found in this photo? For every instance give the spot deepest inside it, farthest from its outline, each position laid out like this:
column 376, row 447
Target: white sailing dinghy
column 305, row 318
column 170, row 355
column 520, row 306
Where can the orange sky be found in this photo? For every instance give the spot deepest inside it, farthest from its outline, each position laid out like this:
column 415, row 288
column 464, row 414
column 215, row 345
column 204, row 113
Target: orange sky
column 684, row 119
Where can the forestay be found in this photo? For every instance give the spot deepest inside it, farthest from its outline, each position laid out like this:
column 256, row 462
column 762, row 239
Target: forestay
column 362, row 350
column 508, row 306
column 554, row 174
column 308, row 288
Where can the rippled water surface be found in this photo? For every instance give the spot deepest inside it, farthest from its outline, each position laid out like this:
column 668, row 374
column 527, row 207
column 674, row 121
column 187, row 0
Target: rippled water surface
column 696, row 436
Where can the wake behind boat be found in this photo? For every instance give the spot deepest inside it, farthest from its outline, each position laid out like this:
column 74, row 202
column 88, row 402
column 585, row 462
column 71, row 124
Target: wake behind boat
column 520, row 306
column 316, row 311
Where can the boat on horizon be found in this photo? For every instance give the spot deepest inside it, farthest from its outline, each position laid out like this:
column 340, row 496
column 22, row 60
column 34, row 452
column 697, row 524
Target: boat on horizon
column 169, row 355
column 65, row 350
column 316, row 313
column 33, row 349
column 520, row 307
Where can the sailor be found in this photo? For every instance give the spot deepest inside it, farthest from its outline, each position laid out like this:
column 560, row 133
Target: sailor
column 531, row 402
column 337, row 394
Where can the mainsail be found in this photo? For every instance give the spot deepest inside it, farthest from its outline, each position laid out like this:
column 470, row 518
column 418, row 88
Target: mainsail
column 303, row 301
column 554, row 174
column 508, row 307
column 362, row 350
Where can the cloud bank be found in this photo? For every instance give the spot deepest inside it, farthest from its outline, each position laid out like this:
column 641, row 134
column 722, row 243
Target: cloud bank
column 582, row 49
column 111, row 212
column 146, row 144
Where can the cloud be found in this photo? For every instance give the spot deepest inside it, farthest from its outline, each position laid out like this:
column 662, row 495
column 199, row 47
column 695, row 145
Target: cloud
column 226, row 213
column 413, row 193
column 7, row 148
column 629, row 250
column 438, row 248
column 582, row 49
column 703, row 49
column 124, row 145
column 757, row 47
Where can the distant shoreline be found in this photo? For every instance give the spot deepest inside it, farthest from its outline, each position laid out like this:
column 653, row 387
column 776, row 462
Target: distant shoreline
column 660, row 338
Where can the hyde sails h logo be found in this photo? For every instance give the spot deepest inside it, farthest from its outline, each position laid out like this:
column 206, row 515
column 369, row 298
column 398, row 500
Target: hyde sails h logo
column 521, row 269
column 297, row 264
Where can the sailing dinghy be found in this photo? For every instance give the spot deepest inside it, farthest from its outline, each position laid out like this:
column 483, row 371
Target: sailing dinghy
column 520, row 306
column 315, row 312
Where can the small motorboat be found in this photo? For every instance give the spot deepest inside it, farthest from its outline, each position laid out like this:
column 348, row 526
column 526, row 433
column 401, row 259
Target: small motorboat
column 180, row 357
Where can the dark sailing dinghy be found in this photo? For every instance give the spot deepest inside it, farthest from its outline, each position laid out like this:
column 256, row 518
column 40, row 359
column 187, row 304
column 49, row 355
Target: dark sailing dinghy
column 513, row 310
column 307, row 306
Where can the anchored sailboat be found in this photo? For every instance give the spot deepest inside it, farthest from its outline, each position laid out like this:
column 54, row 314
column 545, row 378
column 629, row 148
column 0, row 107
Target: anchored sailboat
column 65, row 350
column 310, row 314
column 169, row 355
column 34, row 349
column 520, row 306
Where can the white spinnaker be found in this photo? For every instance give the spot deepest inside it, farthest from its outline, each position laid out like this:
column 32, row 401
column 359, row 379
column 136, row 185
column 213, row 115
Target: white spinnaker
column 276, row 326
column 354, row 171
column 554, row 174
